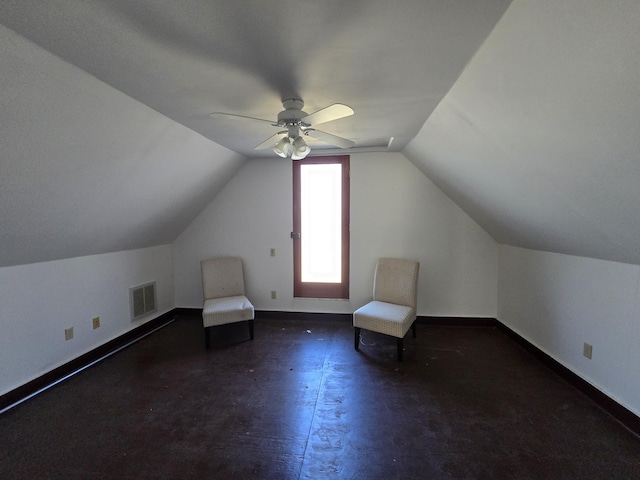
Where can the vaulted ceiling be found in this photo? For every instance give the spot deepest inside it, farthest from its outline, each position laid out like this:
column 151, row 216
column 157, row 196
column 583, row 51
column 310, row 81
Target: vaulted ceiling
column 539, row 139
column 525, row 113
column 391, row 62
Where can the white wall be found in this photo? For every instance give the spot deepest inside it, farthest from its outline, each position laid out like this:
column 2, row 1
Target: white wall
column 395, row 211
column 558, row 302
column 39, row 301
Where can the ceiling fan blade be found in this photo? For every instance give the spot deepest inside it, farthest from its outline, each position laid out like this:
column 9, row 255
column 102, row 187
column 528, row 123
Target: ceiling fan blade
column 271, row 141
column 241, row 117
column 329, row 138
column 327, row 114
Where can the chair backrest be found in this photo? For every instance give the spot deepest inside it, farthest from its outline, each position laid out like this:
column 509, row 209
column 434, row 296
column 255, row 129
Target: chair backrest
column 222, row 277
column 396, row 281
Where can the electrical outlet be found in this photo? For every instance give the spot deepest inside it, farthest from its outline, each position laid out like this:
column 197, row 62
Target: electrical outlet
column 273, row 295
column 587, row 350
column 273, row 252
column 68, row 333
column 96, row 322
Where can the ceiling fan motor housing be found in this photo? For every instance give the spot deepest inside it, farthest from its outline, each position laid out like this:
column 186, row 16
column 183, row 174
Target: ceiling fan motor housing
column 293, row 114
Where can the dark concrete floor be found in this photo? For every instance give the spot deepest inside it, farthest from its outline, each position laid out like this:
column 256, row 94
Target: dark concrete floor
column 300, row 403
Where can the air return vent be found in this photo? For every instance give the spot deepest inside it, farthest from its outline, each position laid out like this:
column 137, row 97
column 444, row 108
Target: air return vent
column 142, row 300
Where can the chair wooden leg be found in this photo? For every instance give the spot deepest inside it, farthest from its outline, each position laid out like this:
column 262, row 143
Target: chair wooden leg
column 356, row 339
column 251, row 329
column 413, row 329
column 207, row 337
column 400, row 348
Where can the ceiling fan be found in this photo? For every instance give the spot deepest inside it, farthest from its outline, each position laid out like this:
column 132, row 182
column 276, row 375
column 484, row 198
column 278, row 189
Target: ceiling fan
column 295, row 124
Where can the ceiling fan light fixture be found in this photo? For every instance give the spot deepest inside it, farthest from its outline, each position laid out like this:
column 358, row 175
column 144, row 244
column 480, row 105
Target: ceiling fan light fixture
column 294, row 122
column 283, row 148
column 300, row 149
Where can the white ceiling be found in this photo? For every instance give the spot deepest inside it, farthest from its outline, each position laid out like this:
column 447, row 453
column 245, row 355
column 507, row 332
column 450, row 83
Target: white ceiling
column 532, row 127
column 539, row 140
column 392, row 62
column 85, row 169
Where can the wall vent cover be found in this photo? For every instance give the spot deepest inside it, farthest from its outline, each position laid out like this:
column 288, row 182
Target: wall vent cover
column 142, row 300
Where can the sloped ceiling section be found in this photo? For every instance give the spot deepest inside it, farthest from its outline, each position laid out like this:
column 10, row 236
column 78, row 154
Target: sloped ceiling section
column 84, row 169
column 90, row 167
column 392, row 62
column 539, row 139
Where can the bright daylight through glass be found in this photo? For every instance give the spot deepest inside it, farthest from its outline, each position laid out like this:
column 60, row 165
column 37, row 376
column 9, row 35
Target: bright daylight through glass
column 321, row 206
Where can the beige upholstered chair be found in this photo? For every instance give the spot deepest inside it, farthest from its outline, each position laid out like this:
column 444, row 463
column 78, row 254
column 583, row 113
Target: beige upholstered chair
column 224, row 297
column 393, row 309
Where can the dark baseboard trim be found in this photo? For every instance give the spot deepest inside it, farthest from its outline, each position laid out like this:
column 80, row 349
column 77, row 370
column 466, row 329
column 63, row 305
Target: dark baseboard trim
column 49, row 379
column 274, row 314
column 287, row 315
column 623, row 415
column 626, row 417
column 279, row 315
column 457, row 321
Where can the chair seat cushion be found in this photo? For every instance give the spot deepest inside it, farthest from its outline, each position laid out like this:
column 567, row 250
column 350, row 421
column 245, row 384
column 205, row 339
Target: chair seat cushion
column 383, row 317
column 218, row 311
